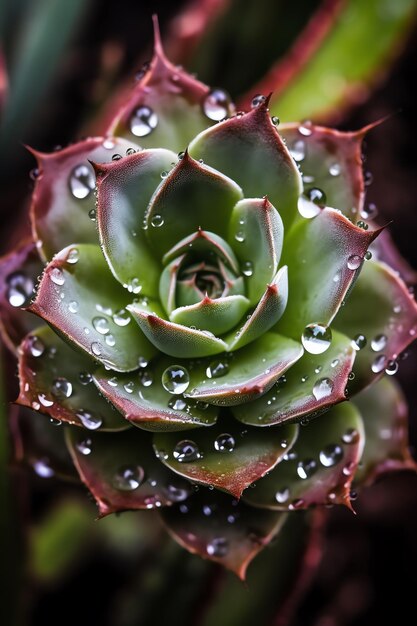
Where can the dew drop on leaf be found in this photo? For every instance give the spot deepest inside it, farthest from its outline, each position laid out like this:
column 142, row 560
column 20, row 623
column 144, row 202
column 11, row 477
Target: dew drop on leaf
column 216, row 105
column 143, row 121
column 186, row 451
column 82, row 181
column 331, row 455
column 128, row 478
column 316, row 338
column 175, row 379
column 322, row 388
column 19, row 289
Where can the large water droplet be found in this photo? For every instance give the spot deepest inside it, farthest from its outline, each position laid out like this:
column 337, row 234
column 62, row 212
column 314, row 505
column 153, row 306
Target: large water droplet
column 178, row 404
column 73, row 256
column 322, row 388
column 88, row 420
column 175, row 379
column 101, row 325
column 359, row 342
column 391, row 368
column 19, row 289
column 379, row 342
column 85, row 378
column 379, row 364
column 216, row 105
column 121, row 317
column 306, row 468
column 57, row 276
column 85, row 446
column 157, row 221
column 44, row 400
column 316, row 195
column 145, row 378
column 282, row 495
column 61, row 388
column 217, row 369
column 219, row 547
column 298, row 150
column 82, row 181
column 143, row 121
column 186, row 451
column 306, row 128
column 307, row 209
column 96, row 348
column 316, row 338
column 257, row 100
column 128, row 478
column 35, row 346
column 331, row 454
column 225, row 443
column 354, row 262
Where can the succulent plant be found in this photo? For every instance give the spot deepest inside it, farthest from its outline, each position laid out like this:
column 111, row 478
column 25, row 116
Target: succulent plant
column 206, row 290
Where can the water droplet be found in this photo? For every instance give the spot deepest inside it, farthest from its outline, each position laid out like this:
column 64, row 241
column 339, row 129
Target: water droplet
column 362, row 224
column 110, row 340
column 316, row 338
column 322, row 388
column 359, row 342
column 129, row 387
column 247, row 269
column 181, row 155
column 378, row 364
column 316, row 195
column 145, row 378
column 307, row 209
column 331, row 455
column 96, row 348
column 128, row 478
column 143, row 121
column 186, row 451
column 178, row 404
column 335, row 169
column 275, row 120
column 157, row 221
column 216, row 105
column 85, row 378
column 82, row 181
column 85, row 446
column 61, row 388
column 370, row 212
column 175, row 379
column 116, row 157
column 44, row 400
column 354, row 262
column 57, row 276
column 108, row 144
column 282, row 495
column 101, row 325
column 121, row 317
column 224, row 443
column 130, row 151
column 217, row 369
column 350, row 436
column 73, row 256
column 306, row 128
column 218, row 547
column 35, row 346
column 379, row 342
column 43, row 468
column 391, row 368
column 298, row 151
column 368, row 178
column 73, row 306
column 92, row 215
column 240, row 236
column 88, row 420
column 257, row 100
column 306, row 468
column 19, row 289
column 34, row 173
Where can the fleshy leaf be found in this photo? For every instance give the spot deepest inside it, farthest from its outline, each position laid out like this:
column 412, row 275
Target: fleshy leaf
column 384, row 412
column 63, row 202
column 266, row 314
column 216, row 315
column 240, row 377
column 122, row 472
column 125, row 188
column 191, row 197
column 166, row 108
column 205, row 242
column 330, row 160
column 311, row 385
column 19, row 271
column 226, row 456
column 256, row 233
column 323, row 255
column 217, row 527
column 248, row 148
column 175, row 339
column 320, row 466
column 56, row 380
column 143, row 400
column 79, row 297
column 381, row 309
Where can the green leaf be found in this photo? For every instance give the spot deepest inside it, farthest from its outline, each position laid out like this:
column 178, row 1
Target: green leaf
column 166, row 108
column 384, row 412
column 216, row 315
column 320, row 466
column 226, row 456
column 206, row 243
column 242, row 376
column 221, row 529
column 19, row 271
column 311, row 385
column 56, row 380
column 191, row 197
column 71, row 298
column 58, row 541
column 381, row 309
column 256, row 234
column 63, row 202
column 125, row 188
column 249, row 149
column 320, row 253
column 265, row 315
column 122, row 472
column 345, row 64
column 332, row 160
column 146, row 403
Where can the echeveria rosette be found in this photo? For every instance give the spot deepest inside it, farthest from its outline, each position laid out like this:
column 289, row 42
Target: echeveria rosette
column 217, row 291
